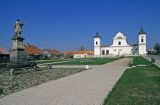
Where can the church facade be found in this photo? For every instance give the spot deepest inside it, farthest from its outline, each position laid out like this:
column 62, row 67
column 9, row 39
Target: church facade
column 120, row 46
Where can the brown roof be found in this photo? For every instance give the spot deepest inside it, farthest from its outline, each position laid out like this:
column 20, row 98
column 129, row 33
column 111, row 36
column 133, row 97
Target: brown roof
column 31, row 49
column 80, row 52
column 3, row 51
column 52, row 51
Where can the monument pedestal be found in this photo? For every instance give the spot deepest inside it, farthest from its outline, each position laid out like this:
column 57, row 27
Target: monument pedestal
column 18, row 54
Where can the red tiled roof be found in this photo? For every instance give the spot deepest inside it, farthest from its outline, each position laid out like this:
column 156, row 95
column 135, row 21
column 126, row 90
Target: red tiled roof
column 80, row 52
column 3, row 51
column 52, row 51
column 31, row 49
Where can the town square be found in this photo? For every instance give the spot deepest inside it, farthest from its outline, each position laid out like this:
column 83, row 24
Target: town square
column 72, row 52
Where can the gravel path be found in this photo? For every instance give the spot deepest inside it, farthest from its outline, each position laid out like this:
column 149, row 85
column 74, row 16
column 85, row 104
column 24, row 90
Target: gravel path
column 86, row 88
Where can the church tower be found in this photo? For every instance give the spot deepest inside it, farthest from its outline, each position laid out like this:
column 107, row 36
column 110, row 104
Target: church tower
column 97, row 44
column 142, row 42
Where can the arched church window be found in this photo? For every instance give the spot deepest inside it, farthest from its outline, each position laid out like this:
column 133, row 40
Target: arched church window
column 107, row 52
column 103, row 52
column 96, row 42
column 119, row 43
column 142, row 40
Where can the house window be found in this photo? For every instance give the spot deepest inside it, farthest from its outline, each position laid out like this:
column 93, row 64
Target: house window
column 119, row 43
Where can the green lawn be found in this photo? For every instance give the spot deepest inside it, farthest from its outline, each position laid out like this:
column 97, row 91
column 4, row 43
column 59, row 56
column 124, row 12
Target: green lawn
column 82, row 61
column 140, row 61
column 137, row 86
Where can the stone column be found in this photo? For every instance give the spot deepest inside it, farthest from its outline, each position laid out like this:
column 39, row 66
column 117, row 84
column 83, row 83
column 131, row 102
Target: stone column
column 18, row 54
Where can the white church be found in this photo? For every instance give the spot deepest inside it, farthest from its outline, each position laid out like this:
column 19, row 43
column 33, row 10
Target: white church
column 120, row 46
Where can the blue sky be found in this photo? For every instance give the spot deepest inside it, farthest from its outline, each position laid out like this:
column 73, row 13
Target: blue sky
column 68, row 24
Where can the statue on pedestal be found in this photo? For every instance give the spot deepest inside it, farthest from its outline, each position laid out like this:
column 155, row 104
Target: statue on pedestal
column 18, row 28
column 18, row 54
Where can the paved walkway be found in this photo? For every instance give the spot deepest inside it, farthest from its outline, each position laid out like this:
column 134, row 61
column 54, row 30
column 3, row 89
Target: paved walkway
column 86, row 88
column 73, row 66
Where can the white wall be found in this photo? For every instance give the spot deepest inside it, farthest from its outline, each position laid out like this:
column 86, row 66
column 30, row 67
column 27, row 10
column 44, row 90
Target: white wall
column 118, row 50
column 120, row 38
column 123, row 42
column 97, row 50
column 142, row 45
column 142, row 49
column 97, row 41
column 142, row 36
column 97, row 46
column 80, row 55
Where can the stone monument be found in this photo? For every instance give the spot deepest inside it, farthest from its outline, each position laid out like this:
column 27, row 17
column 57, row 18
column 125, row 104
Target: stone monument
column 18, row 54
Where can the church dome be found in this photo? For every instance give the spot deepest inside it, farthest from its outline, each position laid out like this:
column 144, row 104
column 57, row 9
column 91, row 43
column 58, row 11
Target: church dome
column 97, row 35
column 141, row 31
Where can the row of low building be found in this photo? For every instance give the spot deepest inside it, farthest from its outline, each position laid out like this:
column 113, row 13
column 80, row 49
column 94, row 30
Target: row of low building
column 4, row 55
column 35, row 53
column 79, row 54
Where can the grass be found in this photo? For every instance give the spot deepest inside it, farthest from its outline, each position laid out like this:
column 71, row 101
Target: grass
column 10, row 84
column 140, row 61
column 80, row 61
column 137, row 86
